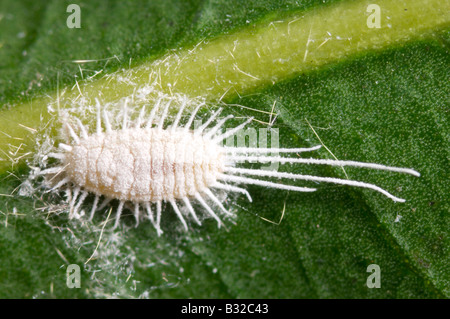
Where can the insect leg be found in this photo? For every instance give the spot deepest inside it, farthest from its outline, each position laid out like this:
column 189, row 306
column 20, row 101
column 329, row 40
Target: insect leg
column 283, row 160
column 191, row 119
column 140, row 117
column 177, row 211
column 247, row 150
column 118, row 214
column 217, row 127
column 99, row 120
column 136, row 213
column 312, row 178
column 72, row 203
column 150, row 213
column 220, row 138
column 164, row 115
column 82, row 129
column 72, row 133
column 60, row 183
column 152, row 114
column 158, row 218
column 180, row 112
column 104, row 203
column 217, row 201
column 251, row 181
column 65, row 147
column 208, row 121
column 191, row 210
column 232, row 189
column 80, row 201
column 94, row 207
column 52, row 170
column 208, row 209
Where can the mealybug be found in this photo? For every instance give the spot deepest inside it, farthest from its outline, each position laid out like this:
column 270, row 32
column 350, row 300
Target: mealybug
column 146, row 163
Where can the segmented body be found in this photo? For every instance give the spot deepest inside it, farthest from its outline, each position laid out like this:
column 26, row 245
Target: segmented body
column 141, row 165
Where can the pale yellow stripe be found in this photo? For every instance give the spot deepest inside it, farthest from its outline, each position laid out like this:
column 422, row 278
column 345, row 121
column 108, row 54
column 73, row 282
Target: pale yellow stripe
column 251, row 58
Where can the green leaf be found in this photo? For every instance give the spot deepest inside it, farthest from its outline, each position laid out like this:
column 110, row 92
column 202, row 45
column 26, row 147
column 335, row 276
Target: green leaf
column 378, row 97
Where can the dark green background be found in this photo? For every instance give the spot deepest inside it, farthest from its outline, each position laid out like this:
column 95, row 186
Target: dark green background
column 387, row 107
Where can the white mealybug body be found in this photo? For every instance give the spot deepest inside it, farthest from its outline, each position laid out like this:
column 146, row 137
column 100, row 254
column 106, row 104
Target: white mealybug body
column 140, row 165
column 145, row 164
